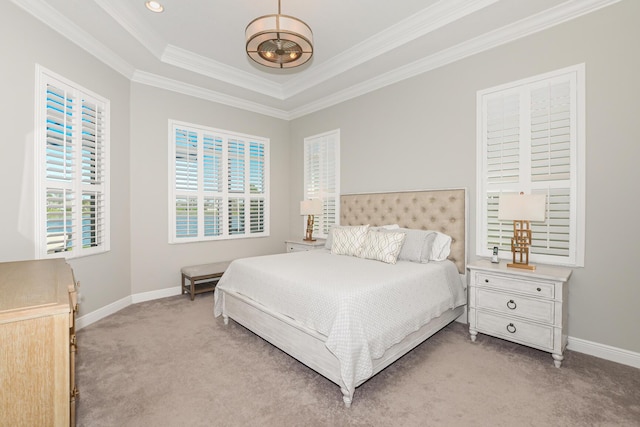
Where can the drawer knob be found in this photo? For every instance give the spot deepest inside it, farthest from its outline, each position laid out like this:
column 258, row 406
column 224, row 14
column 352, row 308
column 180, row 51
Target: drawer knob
column 538, row 289
column 511, row 328
column 511, row 304
column 486, row 280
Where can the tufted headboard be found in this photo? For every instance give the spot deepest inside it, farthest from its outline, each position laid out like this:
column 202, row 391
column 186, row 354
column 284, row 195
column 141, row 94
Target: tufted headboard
column 439, row 210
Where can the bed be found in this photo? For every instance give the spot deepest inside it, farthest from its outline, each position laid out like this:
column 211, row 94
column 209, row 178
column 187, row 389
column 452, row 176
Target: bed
column 347, row 317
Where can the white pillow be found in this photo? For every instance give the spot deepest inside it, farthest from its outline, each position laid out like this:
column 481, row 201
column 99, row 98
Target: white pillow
column 417, row 246
column 348, row 240
column 382, row 246
column 441, row 247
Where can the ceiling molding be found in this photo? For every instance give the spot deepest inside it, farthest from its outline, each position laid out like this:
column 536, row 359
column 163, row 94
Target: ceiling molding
column 183, row 88
column 185, row 59
column 536, row 23
column 423, row 22
column 208, row 67
column 61, row 24
column 562, row 13
column 151, row 40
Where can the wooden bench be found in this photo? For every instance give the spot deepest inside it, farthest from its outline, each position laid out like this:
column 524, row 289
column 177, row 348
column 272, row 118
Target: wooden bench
column 205, row 276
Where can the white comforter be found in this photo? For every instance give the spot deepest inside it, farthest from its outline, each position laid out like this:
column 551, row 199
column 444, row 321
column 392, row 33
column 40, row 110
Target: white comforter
column 363, row 307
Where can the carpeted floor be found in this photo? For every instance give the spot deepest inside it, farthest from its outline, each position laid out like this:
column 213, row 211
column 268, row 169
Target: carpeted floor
column 169, row 362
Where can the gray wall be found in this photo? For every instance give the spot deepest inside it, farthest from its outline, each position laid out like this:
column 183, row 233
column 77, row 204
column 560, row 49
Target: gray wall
column 421, row 134
column 155, row 264
column 23, row 43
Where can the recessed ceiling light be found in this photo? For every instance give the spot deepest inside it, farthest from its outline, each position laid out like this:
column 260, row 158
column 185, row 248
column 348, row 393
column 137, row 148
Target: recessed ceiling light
column 154, row 6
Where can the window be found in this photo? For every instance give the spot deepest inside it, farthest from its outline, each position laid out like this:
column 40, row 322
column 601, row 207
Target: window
column 322, row 178
column 72, row 169
column 218, row 184
column 531, row 139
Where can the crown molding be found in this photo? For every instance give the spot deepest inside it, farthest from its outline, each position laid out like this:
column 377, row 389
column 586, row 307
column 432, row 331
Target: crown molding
column 562, row 13
column 409, row 29
column 185, row 59
column 151, row 40
column 161, row 82
column 527, row 26
column 188, row 60
column 61, row 24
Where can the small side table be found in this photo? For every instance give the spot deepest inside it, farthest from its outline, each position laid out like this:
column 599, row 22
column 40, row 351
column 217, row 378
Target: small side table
column 527, row 307
column 297, row 245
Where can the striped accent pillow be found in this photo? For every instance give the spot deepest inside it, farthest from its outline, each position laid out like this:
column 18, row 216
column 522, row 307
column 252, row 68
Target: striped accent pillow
column 382, row 246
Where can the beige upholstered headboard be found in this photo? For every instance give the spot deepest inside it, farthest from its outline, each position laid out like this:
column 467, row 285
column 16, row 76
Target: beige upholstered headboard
column 439, row 210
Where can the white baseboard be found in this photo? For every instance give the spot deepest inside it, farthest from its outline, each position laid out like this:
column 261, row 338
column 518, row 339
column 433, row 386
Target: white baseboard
column 591, row 348
column 151, row 295
column 603, row 351
column 103, row 312
column 114, row 307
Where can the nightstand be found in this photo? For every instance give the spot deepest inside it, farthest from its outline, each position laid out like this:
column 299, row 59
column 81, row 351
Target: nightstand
column 297, row 245
column 526, row 307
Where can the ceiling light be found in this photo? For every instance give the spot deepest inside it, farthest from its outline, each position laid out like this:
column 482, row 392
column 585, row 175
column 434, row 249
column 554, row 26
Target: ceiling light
column 279, row 41
column 154, row 6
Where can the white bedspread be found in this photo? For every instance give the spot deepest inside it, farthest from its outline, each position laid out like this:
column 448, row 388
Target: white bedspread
column 363, row 307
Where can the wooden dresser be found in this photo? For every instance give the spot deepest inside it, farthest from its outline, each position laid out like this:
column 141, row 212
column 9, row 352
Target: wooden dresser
column 38, row 302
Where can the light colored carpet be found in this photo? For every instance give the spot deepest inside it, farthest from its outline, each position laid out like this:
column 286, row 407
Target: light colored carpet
column 169, row 362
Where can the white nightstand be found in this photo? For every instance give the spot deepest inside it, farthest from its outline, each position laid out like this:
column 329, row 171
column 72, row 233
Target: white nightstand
column 527, row 307
column 296, row 245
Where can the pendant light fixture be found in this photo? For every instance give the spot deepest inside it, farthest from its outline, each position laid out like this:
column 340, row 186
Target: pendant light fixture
column 279, row 41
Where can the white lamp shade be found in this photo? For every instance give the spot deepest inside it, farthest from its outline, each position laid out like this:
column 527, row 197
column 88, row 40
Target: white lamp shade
column 311, row 207
column 522, row 207
column 279, row 41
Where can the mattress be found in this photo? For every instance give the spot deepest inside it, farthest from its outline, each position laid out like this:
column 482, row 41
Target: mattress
column 362, row 307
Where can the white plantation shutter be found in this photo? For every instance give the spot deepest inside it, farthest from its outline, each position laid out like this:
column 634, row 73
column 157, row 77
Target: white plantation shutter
column 322, row 178
column 219, row 184
column 531, row 139
column 72, row 145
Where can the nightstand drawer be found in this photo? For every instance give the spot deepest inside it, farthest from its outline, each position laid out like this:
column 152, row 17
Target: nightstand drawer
column 529, row 308
column 531, row 334
column 516, row 285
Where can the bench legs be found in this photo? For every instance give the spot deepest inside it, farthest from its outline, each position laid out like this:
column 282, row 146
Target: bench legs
column 191, row 289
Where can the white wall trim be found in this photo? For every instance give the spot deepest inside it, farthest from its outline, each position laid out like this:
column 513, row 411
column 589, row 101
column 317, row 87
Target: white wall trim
column 423, row 22
column 103, row 312
column 61, row 24
column 604, row 351
column 151, row 295
column 177, row 86
column 190, row 61
column 125, row 302
column 417, row 24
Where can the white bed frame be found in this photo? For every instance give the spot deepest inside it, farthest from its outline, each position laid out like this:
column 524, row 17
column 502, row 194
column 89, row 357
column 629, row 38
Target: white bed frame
column 442, row 210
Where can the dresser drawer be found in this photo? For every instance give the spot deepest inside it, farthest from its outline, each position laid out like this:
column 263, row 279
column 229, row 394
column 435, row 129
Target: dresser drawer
column 534, row 309
column 540, row 336
column 517, row 285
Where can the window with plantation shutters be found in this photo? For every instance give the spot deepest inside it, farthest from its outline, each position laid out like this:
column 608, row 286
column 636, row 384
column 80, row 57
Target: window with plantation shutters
column 531, row 140
column 218, row 184
column 72, row 168
column 322, row 178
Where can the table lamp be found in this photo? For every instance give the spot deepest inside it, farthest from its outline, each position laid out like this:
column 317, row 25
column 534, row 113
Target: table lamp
column 310, row 207
column 521, row 209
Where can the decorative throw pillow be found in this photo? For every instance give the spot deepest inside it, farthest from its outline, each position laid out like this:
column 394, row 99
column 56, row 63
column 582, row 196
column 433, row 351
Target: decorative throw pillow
column 329, row 242
column 348, row 240
column 382, row 246
column 417, row 245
